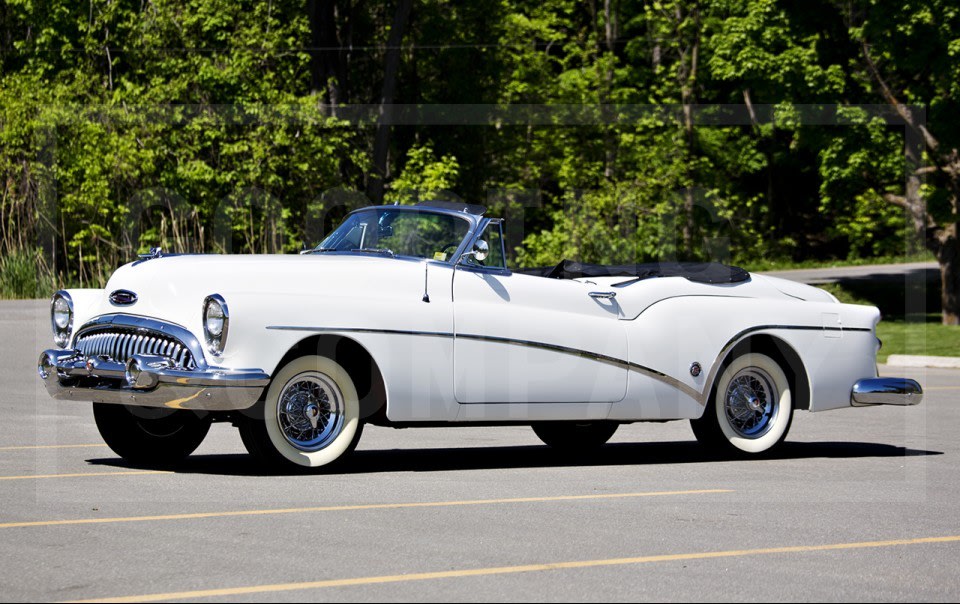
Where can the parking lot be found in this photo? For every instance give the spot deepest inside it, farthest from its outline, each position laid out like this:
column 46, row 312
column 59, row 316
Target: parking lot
column 860, row 504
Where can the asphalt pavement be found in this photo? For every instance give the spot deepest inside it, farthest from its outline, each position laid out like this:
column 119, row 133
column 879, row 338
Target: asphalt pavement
column 860, row 504
column 924, row 271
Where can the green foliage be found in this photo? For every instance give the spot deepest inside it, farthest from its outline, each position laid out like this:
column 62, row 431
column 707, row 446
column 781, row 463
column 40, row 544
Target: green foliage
column 856, row 169
column 195, row 132
column 759, row 43
column 696, row 130
column 424, row 176
column 20, row 277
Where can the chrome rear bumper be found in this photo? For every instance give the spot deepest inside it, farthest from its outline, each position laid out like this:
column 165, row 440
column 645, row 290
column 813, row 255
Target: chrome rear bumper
column 157, row 382
column 886, row 391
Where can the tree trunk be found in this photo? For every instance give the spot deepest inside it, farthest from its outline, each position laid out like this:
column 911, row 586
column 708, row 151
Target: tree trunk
column 326, row 65
column 688, row 78
column 944, row 241
column 940, row 239
column 391, row 67
column 949, row 258
column 606, row 88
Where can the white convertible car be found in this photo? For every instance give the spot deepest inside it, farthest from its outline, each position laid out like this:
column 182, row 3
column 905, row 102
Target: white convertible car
column 408, row 316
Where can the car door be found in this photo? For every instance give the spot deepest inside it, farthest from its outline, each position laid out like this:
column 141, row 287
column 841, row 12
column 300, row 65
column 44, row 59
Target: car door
column 526, row 339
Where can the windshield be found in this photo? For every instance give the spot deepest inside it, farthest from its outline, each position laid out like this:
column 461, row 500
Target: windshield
column 394, row 232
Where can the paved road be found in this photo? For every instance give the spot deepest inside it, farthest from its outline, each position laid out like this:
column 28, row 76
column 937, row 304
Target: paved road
column 861, row 504
column 928, row 271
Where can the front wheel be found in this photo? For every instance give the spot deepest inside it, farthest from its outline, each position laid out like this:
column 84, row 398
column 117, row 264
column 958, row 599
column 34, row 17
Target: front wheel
column 751, row 408
column 311, row 415
column 575, row 436
column 144, row 435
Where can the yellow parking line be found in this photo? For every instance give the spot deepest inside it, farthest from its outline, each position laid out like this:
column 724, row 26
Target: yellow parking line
column 26, row 447
column 344, row 508
column 85, row 474
column 526, row 568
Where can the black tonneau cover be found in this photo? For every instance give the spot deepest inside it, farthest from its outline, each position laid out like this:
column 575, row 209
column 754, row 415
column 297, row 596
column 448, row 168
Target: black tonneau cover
column 698, row 272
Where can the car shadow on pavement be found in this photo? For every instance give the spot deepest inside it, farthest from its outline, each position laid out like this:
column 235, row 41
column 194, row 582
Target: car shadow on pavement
column 527, row 456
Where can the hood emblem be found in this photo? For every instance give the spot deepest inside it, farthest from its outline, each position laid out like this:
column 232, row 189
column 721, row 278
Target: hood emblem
column 123, row 297
column 155, row 252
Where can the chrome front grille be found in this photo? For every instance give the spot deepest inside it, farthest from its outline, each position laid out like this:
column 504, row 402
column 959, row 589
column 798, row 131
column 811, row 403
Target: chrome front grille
column 120, row 345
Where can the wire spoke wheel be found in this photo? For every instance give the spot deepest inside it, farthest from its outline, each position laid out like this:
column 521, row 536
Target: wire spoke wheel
column 309, row 415
column 310, row 411
column 750, row 408
column 751, row 402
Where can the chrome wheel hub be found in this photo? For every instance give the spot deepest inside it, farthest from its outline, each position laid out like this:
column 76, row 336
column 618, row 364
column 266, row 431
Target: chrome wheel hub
column 751, row 402
column 313, row 414
column 310, row 411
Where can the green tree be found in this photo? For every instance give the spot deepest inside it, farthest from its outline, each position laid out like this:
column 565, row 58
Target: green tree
column 910, row 58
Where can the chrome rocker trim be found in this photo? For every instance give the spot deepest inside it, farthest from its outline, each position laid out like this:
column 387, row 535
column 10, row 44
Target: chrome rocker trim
column 886, row 391
column 68, row 375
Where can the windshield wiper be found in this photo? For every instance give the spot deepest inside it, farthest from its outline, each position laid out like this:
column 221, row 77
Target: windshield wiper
column 375, row 250
column 318, row 250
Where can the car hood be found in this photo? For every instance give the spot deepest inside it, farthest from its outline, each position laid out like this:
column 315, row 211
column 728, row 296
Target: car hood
column 173, row 288
column 171, row 272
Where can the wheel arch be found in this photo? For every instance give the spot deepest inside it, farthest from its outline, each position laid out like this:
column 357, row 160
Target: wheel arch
column 356, row 360
column 781, row 352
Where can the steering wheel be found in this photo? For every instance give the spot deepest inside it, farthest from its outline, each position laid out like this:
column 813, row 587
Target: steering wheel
column 449, row 250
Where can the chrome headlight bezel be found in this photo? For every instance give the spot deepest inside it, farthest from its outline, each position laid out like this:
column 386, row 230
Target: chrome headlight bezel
column 61, row 335
column 215, row 341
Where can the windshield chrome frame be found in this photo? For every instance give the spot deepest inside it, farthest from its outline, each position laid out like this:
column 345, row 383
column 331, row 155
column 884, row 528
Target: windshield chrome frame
column 474, row 222
column 474, row 235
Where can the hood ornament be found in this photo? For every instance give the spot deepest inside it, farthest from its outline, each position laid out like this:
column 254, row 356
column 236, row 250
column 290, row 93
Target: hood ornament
column 123, row 297
column 155, row 252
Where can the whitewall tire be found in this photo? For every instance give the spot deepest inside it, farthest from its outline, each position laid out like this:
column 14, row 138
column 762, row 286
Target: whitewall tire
column 311, row 415
column 751, row 408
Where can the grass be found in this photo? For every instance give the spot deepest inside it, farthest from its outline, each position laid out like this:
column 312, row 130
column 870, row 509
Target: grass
column 921, row 334
column 923, row 338
column 19, row 277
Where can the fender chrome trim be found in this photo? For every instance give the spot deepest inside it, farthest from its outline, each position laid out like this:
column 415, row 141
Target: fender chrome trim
column 700, row 397
column 594, row 356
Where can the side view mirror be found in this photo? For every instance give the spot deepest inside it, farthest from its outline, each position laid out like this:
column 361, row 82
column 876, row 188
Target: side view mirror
column 480, row 251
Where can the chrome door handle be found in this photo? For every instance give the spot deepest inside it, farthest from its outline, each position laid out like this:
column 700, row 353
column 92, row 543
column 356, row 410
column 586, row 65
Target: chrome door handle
column 603, row 295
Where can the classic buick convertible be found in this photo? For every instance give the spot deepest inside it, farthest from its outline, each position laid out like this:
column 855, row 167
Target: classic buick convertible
column 409, row 316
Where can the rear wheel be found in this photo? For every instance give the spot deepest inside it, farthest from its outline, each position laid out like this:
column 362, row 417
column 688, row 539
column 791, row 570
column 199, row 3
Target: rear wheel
column 150, row 436
column 310, row 415
column 751, row 408
column 575, row 436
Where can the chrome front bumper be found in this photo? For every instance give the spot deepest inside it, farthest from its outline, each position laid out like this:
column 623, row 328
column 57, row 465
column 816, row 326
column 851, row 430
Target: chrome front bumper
column 69, row 375
column 886, row 391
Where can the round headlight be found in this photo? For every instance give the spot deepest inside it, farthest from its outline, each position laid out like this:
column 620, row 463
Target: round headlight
column 61, row 313
column 61, row 318
column 216, row 321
